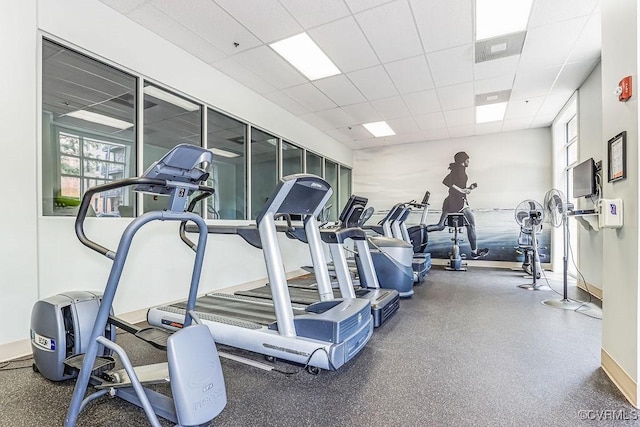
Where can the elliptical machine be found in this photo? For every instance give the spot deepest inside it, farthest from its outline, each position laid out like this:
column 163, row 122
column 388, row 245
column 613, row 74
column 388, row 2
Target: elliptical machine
column 73, row 334
column 456, row 222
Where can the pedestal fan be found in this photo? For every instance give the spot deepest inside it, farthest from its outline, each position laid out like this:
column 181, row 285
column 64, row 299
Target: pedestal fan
column 529, row 215
column 557, row 209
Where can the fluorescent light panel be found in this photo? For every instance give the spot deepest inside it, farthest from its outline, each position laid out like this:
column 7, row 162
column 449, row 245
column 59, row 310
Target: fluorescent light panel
column 223, row 153
column 100, row 119
column 306, row 56
column 490, row 112
column 498, row 17
column 379, row 129
column 170, row 98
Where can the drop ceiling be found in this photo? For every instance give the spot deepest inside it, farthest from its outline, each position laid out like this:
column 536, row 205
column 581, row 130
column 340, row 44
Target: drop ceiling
column 409, row 62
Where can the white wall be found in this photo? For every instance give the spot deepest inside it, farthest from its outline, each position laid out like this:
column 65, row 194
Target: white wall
column 41, row 255
column 508, row 167
column 620, row 246
column 590, row 244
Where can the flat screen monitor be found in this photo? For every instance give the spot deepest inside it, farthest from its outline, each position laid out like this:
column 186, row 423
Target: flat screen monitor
column 584, row 179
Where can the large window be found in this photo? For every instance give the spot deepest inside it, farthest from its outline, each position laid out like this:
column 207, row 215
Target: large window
column 264, row 168
column 88, row 132
column 571, row 158
column 344, row 186
column 291, row 158
column 314, row 164
column 169, row 120
column 331, row 175
column 226, row 137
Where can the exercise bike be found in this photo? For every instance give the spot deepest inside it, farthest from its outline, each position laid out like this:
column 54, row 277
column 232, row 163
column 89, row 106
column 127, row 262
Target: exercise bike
column 456, row 222
column 73, row 334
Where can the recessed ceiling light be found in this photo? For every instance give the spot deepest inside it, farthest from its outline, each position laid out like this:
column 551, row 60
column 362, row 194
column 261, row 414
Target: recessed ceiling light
column 100, row 119
column 379, row 129
column 490, row 112
column 170, row 98
column 497, row 17
column 306, row 56
column 223, row 153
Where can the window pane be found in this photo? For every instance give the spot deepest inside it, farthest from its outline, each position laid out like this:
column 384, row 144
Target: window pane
column 264, row 169
column 83, row 100
column 345, row 186
column 314, row 164
column 226, row 137
column 291, row 159
column 331, row 175
column 572, row 153
column 572, row 128
column 169, row 120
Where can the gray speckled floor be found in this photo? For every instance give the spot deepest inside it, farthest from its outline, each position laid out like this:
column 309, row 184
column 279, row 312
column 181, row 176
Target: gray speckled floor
column 470, row 348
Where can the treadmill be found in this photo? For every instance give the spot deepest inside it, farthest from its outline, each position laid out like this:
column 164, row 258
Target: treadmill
column 324, row 335
column 384, row 302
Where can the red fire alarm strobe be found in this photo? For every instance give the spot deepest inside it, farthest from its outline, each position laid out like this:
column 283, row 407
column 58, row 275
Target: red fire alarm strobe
column 624, row 89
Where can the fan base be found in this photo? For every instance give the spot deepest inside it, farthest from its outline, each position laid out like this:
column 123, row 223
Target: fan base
column 589, row 309
column 531, row 287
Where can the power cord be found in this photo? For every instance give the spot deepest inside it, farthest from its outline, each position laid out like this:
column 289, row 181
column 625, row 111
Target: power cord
column 306, row 364
column 5, row 365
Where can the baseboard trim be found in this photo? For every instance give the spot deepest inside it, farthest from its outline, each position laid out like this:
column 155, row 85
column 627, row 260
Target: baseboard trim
column 619, row 377
column 512, row 265
column 591, row 289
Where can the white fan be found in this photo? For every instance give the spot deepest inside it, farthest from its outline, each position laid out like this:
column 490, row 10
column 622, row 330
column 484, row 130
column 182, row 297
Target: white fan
column 529, row 215
column 557, row 209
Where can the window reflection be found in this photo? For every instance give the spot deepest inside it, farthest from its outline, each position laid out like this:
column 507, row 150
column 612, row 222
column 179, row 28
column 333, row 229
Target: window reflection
column 331, row 175
column 314, row 164
column 88, row 132
column 264, row 169
column 291, row 159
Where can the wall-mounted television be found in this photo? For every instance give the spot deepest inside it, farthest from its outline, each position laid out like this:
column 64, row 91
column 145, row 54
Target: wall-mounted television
column 584, row 179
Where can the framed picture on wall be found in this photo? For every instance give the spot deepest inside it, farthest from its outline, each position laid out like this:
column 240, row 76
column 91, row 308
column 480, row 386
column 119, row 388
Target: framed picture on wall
column 617, row 154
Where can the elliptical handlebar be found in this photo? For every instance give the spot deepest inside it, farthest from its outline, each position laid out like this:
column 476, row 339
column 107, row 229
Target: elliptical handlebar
column 88, row 195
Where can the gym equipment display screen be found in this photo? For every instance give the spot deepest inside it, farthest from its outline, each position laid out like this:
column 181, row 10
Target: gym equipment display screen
column 584, row 179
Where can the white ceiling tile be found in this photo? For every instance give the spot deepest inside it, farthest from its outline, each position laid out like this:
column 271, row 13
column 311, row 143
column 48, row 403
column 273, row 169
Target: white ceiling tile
column 211, row 22
column 550, row 44
column 461, row 117
column 385, row 141
column 533, row 82
column 574, row 74
column 311, row 13
column 345, row 44
column 422, row 102
column 456, row 96
column 360, row 5
column 310, row 97
column 374, row 83
column 431, row 121
column 443, row 24
column 336, row 117
column 240, row 73
column 338, row 135
column 451, row 66
column 340, row 89
column 491, row 127
column 123, row 6
column 519, row 109
column 436, row 134
column 496, row 68
column 494, row 84
column 363, row 113
column 410, row 75
column 391, row 108
column 589, row 42
column 268, row 20
column 516, row 124
column 270, row 66
column 411, row 137
column 541, row 121
column 554, row 103
column 161, row 24
column 317, row 122
column 546, row 12
column 287, row 103
column 462, row 131
column 404, row 125
column 391, row 31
